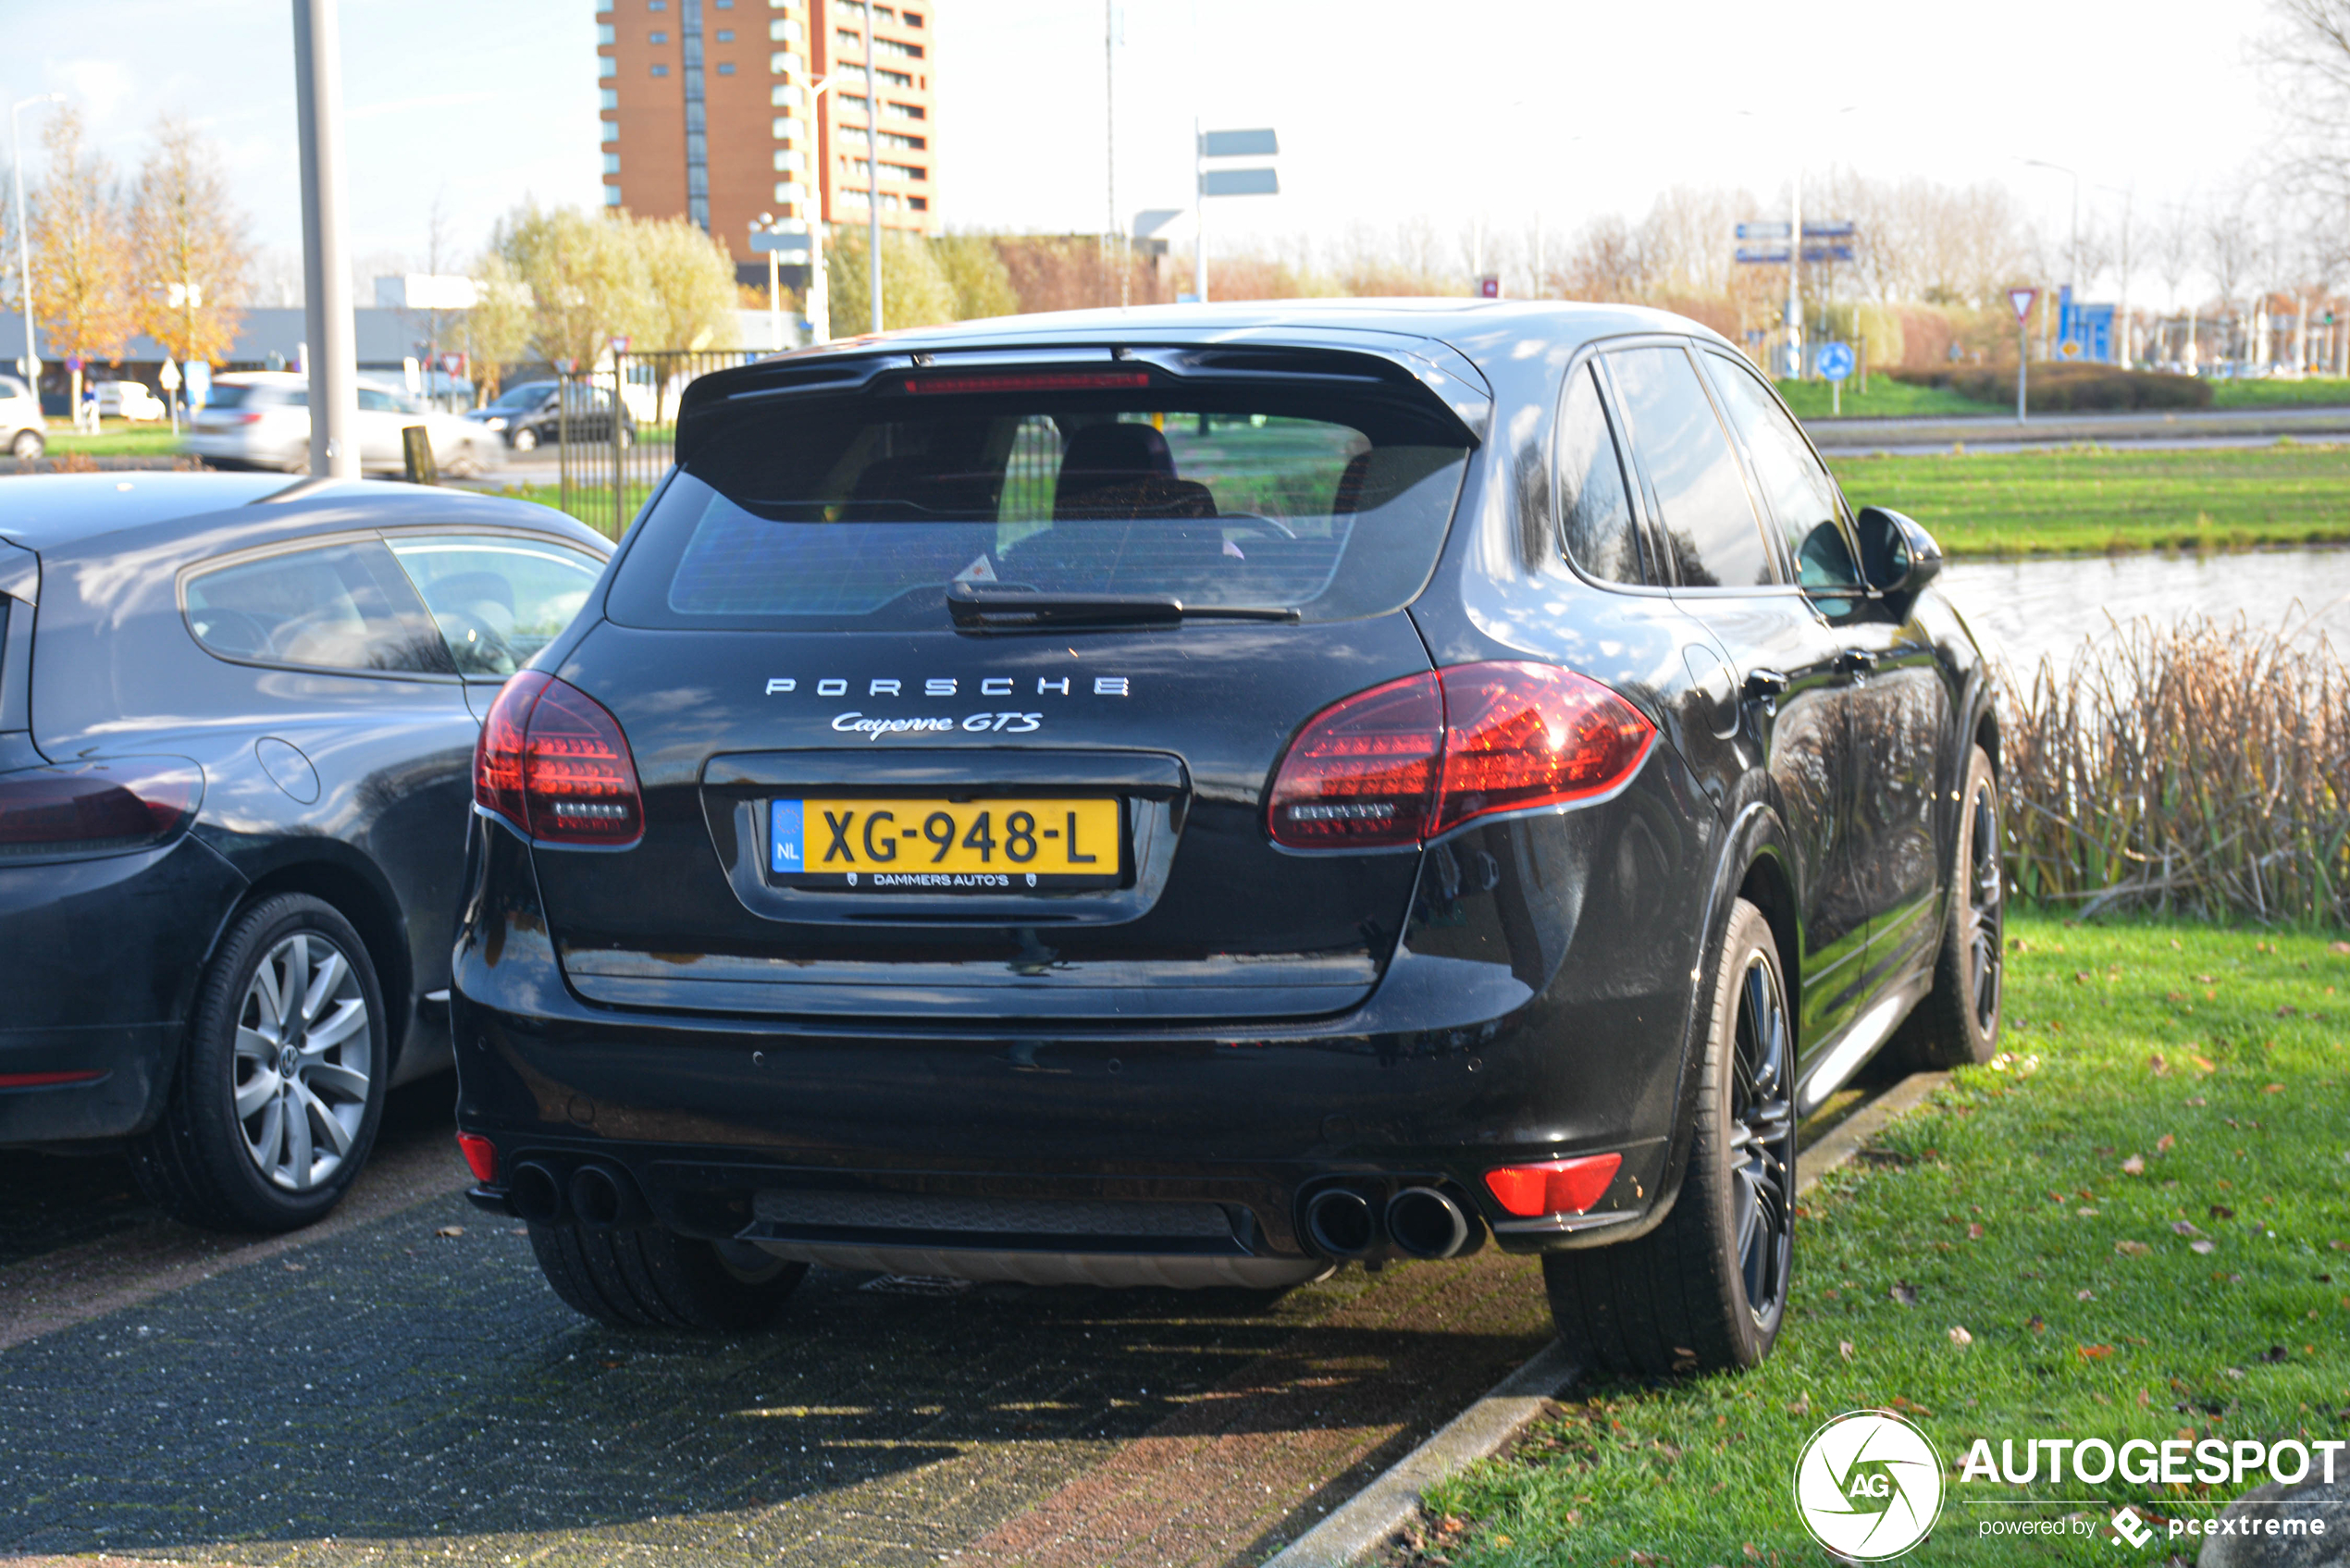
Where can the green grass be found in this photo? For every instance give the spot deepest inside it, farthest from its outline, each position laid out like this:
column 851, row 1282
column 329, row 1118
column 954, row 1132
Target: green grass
column 114, row 439
column 2318, row 392
column 591, row 505
column 1886, row 399
column 2084, row 499
column 2007, row 1206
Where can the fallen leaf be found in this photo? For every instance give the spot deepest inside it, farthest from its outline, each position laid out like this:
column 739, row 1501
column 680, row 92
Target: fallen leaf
column 2131, row 1249
column 2221, row 1211
column 2184, row 1228
column 296, row 1267
column 2093, row 1353
column 2134, row 1166
column 1799, row 1405
column 2036, row 1323
column 2340, row 947
column 2164, row 1145
column 1905, row 1294
column 2205, row 1063
column 1844, row 1348
column 1974, row 1233
column 2272, row 1089
column 2161, row 1064
column 2084, row 1295
column 451, row 1231
column 1961, row 1337
column 2273, row 1353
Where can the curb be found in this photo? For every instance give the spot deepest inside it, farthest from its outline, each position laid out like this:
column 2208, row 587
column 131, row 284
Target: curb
column 1374, row 1514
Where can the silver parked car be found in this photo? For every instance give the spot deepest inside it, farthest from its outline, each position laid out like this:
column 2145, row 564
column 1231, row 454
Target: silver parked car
column 21, row 423
column 261, row 419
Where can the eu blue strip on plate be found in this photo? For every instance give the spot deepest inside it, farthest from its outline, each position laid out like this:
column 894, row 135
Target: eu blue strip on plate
column 784, row 850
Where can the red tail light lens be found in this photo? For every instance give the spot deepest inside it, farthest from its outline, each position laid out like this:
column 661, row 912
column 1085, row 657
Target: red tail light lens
column 1553, row 1186
column 553, row 763
column 1362, row 773
column 96, row 808
column 1517, row 736
column 1404, row 761
column 481, row 1155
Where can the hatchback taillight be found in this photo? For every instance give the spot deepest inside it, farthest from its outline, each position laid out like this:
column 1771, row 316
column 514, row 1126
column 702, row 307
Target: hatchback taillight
column 1404, row 761
column 96, row 808
column 552, row 762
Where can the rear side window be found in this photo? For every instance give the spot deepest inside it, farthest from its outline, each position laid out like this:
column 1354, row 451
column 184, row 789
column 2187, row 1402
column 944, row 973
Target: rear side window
column 339, row 607
column 12, row 388
column 1800, row 495
column 857, row 513
column 1708, row 519
column 496, row 600
column 1595, row 510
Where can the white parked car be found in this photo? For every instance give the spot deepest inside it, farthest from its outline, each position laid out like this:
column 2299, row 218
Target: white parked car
column 21, row 423
column 128, row 400
column 261, row 419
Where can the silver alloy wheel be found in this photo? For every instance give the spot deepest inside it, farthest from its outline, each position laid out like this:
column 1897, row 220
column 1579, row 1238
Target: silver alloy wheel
column 302, row 1062
column 1984, row 914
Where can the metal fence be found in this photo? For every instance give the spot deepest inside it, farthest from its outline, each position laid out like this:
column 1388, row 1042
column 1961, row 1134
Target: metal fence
column 609, row 466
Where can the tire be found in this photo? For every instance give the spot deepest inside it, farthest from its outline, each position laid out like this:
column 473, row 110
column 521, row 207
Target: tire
column 27, row 445
column 1706, row 1290
column 1957, row 1023
column 525, row 439
column 310, row 1086
column 655, row 1279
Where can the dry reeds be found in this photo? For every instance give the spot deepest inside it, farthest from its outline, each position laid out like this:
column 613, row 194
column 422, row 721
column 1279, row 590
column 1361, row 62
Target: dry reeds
column 2191, row 767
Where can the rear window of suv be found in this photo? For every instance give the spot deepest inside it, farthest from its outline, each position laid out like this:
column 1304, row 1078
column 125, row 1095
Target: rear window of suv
column 858, row 512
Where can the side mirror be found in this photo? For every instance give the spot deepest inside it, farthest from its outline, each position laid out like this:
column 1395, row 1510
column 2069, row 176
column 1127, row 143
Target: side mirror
column 1897, row 556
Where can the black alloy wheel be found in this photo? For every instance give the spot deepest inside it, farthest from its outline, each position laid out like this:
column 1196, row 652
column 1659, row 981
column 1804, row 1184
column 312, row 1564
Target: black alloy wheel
column 1763, row 1139
column 1959, row 1021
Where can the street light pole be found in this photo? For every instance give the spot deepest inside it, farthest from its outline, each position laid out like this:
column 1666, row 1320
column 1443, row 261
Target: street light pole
column 1199, row 212
column 24, row 248
column 334, row 361
column 873, row 171
column 820, row 291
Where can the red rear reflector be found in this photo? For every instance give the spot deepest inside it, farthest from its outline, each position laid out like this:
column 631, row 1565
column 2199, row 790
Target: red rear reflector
column 46, row 1079
column 1032, row 381
column 96, row 808
column 553, row 763
column 481, row 1155
column 1553, row 1186
column 1403, row 761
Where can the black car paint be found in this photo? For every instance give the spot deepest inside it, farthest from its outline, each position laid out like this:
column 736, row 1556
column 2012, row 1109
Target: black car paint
column 100, row 956
column 1539, row 999
column 588, row 419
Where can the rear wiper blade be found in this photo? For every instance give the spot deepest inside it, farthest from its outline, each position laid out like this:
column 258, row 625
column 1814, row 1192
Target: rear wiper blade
column 1014, row 608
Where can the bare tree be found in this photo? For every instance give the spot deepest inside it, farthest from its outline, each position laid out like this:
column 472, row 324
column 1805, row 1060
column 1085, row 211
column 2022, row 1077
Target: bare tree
column 2230, row 249
column 2307, row 52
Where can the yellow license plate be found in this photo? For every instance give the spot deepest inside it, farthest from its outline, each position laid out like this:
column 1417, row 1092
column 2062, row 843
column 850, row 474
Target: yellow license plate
column 993, row 846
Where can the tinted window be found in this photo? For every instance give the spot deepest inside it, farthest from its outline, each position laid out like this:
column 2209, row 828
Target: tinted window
column 530, row 394
column 1800, row 495
column 1595, row 509
column 1708, row 519
column 246, row 394
column 858, row 512
column 496, row 600
column 341, row 607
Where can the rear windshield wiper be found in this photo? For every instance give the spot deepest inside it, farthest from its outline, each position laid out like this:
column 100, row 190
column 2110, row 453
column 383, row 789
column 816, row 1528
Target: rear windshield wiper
column 1017, row 609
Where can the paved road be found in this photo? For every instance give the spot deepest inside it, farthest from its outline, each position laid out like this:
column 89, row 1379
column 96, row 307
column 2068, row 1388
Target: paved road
column 2184, row 427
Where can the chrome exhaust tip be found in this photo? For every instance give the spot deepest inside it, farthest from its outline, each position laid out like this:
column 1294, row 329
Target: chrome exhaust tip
column 1425, row 1224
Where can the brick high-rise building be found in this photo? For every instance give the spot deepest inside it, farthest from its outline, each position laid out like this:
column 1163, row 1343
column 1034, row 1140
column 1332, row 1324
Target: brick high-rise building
column 710, row 113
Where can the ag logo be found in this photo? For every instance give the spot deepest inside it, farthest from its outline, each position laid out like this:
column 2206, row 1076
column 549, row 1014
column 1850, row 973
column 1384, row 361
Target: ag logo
column 1868, row 1486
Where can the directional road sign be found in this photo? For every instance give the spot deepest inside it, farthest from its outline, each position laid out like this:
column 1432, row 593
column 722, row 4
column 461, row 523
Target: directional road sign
column 1240, row 182
column 787, row 247
column 1835, row 361
column 1239, row 145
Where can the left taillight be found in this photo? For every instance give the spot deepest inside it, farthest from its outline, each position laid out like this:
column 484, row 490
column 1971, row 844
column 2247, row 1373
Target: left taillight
column 1403, row 762
column 96, row 808
column 553, row 762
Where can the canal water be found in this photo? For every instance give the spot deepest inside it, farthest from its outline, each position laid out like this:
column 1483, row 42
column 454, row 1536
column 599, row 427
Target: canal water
column 2027, row 608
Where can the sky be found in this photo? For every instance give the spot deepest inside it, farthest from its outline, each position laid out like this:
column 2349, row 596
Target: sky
column 1387, row 111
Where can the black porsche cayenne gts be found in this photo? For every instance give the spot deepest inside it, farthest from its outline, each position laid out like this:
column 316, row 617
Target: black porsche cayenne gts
column 1194, row 797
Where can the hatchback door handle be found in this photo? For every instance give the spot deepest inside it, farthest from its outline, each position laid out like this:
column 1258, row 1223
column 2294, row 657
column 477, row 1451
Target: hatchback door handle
column 1856, row 662
column 1765, row 686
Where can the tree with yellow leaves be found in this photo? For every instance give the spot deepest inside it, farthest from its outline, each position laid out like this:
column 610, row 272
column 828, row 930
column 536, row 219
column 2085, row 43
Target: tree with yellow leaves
column 81, row 258
column 187, row 241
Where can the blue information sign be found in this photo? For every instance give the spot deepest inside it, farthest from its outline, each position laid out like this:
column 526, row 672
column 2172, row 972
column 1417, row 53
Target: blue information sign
column 1835, row 361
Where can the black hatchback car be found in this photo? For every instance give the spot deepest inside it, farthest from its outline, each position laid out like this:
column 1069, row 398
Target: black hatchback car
column 236, row 722
column 1195, row 797
column 531, row 414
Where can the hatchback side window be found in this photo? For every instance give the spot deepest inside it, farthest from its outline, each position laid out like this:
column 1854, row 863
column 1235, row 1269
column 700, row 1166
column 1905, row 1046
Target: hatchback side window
column 1595, row 511
column 1709, row 521
column 371, row 401
column 1800, row 495
column 340, row 607
column 498, row 600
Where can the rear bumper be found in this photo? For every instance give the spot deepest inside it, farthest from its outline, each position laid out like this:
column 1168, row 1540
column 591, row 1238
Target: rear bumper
column 98, row 960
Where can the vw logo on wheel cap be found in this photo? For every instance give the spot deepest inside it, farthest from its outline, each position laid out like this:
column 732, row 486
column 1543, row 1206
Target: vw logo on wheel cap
column 1868, row 1486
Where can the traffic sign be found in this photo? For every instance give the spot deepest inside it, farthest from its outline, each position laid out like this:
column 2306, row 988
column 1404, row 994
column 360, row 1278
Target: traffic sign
column 1239, row 182
column 1488, row 287
column 620, row 343
column 2020, row 301
column 1836, row 361
column 169, row 377
column 2070, row 348
column 787, row 247
column 1239, row 145
column 1765, row 230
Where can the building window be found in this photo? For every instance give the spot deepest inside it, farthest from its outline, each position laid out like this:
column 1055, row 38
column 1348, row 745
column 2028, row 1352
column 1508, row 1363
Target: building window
column 603, row 32
column 904, row 111
column 726, row 68
column 914, row 18
column 657, row 39
column 612, row 163
column 656, row 5
column 905, row 171
column 908, row 143
column 920, row 204
column 725, row 35
column 903, row 51
column 785, row 62
column 785, row 32
column 899, row 79
column 783, row 128
column 612, row 199
column 784, row 96
column 610, row 97
column 790, row 159
column 790, row 191
column 607, row 66
column 660, row 71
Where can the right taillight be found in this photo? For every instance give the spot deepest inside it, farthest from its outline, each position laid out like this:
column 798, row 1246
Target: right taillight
column 1404, row 761
column 553, row 763
column 96, row 808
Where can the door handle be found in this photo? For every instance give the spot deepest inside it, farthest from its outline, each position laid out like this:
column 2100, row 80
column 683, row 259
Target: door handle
column 1856, row 662
column 1765, row 686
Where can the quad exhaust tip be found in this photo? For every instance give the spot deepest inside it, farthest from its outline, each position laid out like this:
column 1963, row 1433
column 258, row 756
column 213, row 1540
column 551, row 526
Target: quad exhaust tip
column 604, row 1198
column 1425, row 1224
column 1338, row 1222
column 534, row 1194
